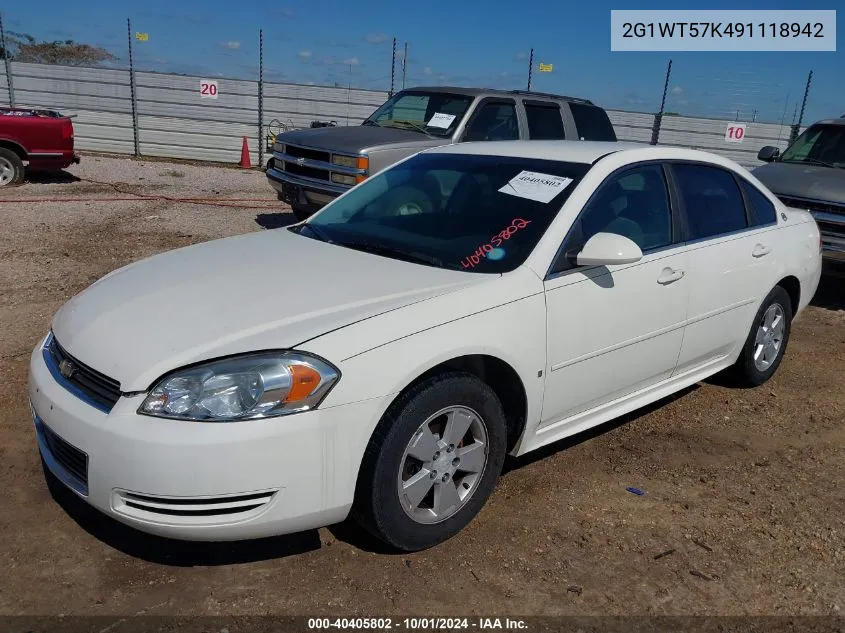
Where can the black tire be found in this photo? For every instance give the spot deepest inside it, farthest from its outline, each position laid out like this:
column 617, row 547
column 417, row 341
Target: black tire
column 746, row 372
column 11, row 161
column 301, row 212
column 377, row 507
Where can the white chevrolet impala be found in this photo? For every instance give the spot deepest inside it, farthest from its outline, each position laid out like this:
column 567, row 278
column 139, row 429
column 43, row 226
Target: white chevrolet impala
column 382, row 358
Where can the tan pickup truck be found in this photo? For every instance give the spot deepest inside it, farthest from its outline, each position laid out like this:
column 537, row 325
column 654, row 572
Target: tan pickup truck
column 311, row 167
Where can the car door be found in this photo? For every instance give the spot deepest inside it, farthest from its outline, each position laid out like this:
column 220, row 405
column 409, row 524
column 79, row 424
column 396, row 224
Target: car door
column 731, row 261
column 612, row 331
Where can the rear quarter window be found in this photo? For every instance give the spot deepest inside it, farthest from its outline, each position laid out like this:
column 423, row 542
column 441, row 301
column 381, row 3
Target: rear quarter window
column 762, row 210
column 592, row 122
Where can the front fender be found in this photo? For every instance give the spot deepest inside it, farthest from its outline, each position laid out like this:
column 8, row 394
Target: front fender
column 515, row 333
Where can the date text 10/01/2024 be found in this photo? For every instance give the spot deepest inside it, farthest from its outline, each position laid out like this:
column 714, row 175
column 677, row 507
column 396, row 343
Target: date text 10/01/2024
column 486, row 250
column 417, row 624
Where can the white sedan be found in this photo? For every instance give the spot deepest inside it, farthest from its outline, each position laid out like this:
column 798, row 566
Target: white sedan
column 383, row 357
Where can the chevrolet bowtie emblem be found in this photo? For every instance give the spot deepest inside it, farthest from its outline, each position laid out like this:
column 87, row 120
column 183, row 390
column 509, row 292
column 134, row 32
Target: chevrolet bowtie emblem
column 67, row 368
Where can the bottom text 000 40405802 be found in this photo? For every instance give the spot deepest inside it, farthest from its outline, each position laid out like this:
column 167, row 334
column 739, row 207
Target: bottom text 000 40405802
column 416, row 624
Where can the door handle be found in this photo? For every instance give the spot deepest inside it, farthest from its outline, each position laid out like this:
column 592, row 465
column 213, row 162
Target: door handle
column 760, row 250
column 669, row 275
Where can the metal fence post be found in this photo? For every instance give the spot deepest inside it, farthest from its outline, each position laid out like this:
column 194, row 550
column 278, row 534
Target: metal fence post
column 404, row 65
column 392, row 68
column 797, row 127
column 261, row 97
column 9, row 81
column 132, row 92
column 658, row 118
column 530, row 68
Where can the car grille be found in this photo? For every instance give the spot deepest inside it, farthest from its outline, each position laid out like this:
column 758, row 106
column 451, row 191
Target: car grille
column 310, row 154
column 73, row 460
column 98, row 388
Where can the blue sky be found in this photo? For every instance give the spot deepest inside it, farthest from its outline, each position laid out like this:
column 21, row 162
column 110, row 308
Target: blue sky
column 458, row 43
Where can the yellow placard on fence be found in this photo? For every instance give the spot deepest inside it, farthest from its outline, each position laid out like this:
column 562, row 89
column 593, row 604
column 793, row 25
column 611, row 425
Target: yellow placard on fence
column 142, row 37
column 545, row 68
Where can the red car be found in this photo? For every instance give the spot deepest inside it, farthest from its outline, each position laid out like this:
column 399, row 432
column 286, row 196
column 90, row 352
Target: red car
column 43, row 139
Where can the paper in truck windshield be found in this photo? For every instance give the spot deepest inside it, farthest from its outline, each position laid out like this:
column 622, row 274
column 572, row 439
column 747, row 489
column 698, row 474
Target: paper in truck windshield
column 536, row 186
column 441, row 120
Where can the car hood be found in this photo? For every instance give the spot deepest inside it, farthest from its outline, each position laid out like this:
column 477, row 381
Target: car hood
column 355, row 138
column 268, row 290
column 804, row 181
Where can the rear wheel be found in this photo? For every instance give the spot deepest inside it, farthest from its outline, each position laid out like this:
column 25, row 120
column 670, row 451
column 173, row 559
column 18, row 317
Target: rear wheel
column 432, row 462
column 766, row 343
column 11, row 168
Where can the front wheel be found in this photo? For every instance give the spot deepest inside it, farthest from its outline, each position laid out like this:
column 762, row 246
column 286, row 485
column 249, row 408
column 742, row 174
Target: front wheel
column 432, row 462
column 766, row 343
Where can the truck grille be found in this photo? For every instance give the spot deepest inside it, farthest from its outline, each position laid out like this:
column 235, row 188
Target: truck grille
column 308, row 172
column 102, row 391
column 813, row 205
column 310, row 154
column 829, row 216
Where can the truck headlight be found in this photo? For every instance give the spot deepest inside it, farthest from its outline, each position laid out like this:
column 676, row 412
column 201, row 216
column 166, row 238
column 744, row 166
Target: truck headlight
column 263, row 385
column 343, row 179
column 350, row 162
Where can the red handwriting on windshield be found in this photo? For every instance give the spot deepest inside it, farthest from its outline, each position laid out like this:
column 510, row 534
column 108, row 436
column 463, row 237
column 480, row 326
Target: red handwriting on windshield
column 471, row 261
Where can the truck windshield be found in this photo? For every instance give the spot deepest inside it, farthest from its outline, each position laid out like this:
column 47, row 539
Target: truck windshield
column 818, row 145
column 431, row 113
column 480, row 214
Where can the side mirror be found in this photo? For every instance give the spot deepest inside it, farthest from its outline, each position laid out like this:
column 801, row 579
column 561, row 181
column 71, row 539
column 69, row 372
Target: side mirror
column 606, row 249
column 768, row 154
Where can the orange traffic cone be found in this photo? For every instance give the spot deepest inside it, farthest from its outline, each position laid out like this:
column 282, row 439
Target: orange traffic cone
column 245, row 161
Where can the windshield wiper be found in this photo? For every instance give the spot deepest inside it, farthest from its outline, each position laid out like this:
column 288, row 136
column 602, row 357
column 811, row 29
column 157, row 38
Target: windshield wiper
column 397, row 253
column 416, row 126
column 318, row 233
column 814, row 161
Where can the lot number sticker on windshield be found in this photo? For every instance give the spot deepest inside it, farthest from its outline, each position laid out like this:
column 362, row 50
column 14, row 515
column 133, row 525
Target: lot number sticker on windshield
column 536, row 186
column 441, row 120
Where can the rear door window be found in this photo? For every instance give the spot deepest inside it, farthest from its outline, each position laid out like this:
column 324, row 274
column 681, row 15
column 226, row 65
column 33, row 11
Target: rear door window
column 544, row 120
column 592, row 122
column 712, row 200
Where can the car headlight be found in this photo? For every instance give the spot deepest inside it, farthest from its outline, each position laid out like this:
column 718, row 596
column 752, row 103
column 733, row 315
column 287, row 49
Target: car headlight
column 247, row 387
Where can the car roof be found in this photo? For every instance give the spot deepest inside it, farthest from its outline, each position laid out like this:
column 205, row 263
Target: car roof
column 570, row 151
column 474, row 92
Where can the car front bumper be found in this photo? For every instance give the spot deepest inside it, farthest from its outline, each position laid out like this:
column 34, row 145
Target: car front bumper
column 201, row 481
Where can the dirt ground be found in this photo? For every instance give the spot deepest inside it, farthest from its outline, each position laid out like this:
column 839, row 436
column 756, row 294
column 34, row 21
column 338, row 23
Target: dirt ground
column 743, row 512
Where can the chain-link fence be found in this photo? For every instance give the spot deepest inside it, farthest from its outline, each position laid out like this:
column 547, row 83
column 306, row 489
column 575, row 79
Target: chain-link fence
column 132, row 91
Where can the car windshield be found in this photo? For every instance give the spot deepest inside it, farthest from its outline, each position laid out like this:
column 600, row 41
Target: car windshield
column 431, row 113
column 480, row 214
column 820, row 145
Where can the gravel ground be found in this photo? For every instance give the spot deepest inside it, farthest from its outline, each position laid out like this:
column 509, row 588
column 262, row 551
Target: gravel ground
column 743, row 513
